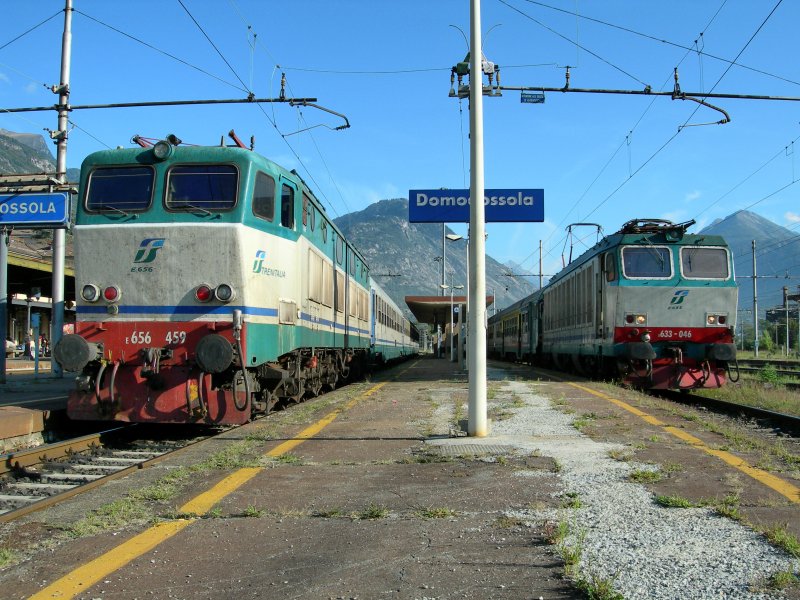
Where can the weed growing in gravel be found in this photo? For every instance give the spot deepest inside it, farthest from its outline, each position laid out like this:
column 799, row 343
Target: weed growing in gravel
column 783, row 580
column 729, row 507
column 671, row 467
column 622, row 455
column 778, row 536
column 288, row 459
column 436, row 512
column 571, row 500
column 556, row 532
column 644, row 476
column 598, row 588
column 7, row 557
column 584, row 420
column 571, row 554
column 252, row 511
column 674, row 502
column 654, row 438
column 557, row 466
column 115, row 514
column 332, row 513
column 372, row 512
column 214, row 513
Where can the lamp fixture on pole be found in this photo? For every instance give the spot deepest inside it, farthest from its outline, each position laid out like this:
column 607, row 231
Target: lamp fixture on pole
column 452, row 325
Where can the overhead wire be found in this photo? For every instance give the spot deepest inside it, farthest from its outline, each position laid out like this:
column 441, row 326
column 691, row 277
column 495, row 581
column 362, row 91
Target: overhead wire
column 26, row 32
column 273, row 121
column 548, row 253
column 665, row 144
column 661, row 40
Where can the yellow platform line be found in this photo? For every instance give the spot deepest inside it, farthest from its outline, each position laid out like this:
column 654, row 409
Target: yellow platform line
column 784, row 488
column 82, row 578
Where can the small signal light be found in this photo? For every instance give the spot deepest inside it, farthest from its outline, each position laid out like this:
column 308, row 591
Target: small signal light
column 722, row 319
column 203, row 293
column 162, row 150
column 111, row 293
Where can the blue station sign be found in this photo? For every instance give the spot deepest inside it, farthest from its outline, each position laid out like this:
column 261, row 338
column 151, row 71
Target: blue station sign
column 34, row 210
column 452, row 206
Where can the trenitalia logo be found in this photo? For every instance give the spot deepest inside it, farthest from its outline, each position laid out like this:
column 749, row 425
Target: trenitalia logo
column 148, row 249
column 259, row 261
column 679, row 296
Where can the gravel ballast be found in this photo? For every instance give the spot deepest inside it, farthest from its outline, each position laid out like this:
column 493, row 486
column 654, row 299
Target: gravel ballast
column 646, row 550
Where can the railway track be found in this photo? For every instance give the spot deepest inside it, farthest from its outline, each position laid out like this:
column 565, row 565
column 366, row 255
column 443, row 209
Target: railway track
column 789, row 424
column 34, row 479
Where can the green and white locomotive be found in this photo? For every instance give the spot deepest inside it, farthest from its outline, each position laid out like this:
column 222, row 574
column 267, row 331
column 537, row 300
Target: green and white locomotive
column 650, row 304
column 212, row 285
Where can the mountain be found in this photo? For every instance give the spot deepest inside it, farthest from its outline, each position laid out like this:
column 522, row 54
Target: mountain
column 28, row 153
column 777, row 263
column 401, row 255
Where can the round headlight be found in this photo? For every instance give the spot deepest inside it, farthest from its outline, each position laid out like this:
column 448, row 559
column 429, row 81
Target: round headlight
column 90, row 292
column 640, row 319
column 203, row 293
column 712, row 319
column 162, row 150
column 224, row 293
column 645, row 337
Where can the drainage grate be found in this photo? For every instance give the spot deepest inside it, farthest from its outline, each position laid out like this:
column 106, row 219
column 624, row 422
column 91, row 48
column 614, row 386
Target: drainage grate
column 472, row 449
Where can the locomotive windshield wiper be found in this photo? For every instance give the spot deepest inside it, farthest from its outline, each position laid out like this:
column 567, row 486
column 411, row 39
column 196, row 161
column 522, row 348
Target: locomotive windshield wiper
column 199, row 209
column 114, row 209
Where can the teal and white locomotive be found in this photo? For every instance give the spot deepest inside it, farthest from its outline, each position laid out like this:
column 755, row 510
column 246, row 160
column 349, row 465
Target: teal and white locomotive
column 211, row 284
column 650, row 304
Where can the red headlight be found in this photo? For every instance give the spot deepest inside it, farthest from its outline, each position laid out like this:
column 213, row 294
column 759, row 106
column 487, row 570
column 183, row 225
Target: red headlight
column 203, row 293
column 111, row 293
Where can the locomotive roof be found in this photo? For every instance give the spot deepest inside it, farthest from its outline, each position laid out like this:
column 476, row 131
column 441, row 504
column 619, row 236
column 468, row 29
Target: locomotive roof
column 650, row 232
column 216, row 154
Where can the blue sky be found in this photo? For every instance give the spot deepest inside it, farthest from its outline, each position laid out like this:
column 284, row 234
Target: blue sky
column 386, row 66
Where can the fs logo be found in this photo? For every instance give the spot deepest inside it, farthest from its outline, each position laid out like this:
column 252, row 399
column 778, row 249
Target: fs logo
column 258, row 264
column 679, row 297
column 148, row 249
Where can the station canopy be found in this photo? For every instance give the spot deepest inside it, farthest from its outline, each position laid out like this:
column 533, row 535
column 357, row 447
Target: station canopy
column 435, row 310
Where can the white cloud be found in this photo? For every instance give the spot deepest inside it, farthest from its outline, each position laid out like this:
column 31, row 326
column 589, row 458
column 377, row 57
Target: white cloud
column 692, row 196
column 4, row 78
column 792, row 217
column 33, row 87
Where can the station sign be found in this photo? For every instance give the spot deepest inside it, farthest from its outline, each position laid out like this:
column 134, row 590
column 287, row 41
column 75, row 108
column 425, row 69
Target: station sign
column 531, row 97
column 45, row 211
column 452, row 206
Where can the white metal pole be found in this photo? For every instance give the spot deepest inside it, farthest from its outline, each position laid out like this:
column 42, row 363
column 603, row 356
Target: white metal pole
column 60, row 235
column 477, row 422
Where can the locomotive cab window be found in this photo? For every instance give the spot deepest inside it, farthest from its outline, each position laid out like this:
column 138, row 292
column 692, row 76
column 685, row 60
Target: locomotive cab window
column 646, row 262
column 202, row 187
column 264, row 197
column 704, row 263
column 610, row 267
column 287, row 206
column 120, row 189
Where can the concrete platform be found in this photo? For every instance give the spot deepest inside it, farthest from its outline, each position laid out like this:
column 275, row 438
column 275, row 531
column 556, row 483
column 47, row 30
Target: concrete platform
column 367, row 492
column 20, row 427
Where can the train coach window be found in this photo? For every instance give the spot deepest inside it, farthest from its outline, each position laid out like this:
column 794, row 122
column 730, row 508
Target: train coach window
column 202, row 187
column 264, row 197
column 704, row 263
column 120, row 189
column 646, row 262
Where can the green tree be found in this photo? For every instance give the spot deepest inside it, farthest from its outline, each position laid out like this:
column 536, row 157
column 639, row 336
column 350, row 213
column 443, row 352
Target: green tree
column 766, row 343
